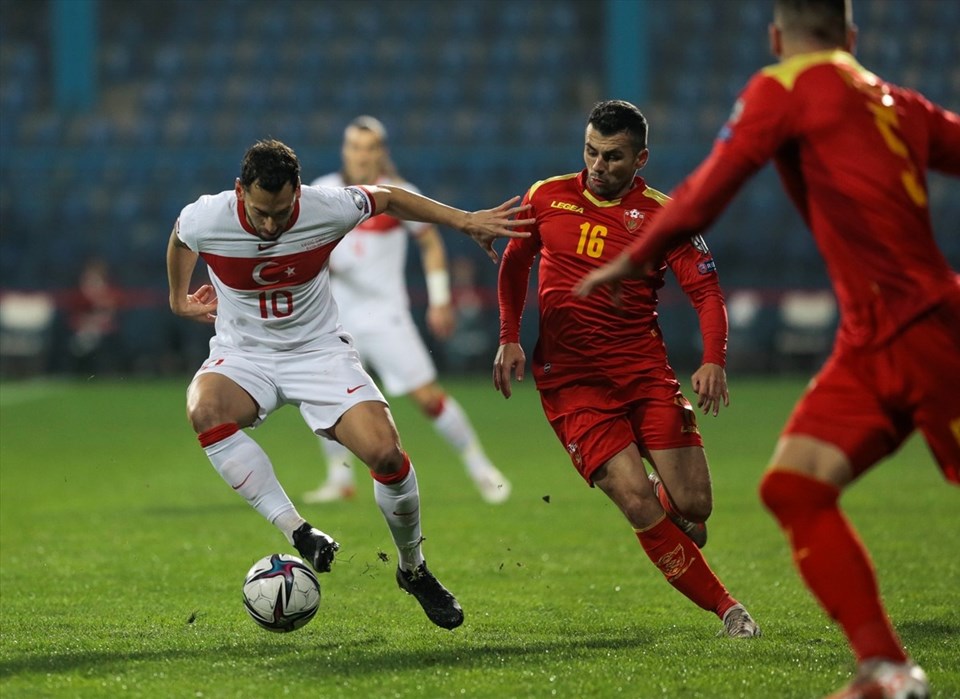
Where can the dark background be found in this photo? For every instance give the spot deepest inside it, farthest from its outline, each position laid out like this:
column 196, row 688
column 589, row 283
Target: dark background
column 117, row 113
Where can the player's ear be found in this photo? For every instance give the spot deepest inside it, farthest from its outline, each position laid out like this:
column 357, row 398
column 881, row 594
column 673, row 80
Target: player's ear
column 776, row 40
column 238, row 188
column 642, row 157
column 851, row 43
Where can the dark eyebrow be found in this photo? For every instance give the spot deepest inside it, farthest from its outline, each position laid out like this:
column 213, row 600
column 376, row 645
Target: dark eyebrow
column 264, row 212
column 605, row 153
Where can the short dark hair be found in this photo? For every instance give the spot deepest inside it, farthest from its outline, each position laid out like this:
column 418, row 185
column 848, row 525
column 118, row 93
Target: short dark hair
column 825, row 21
column 616, row 116
column 271, row 164
column 365, row 122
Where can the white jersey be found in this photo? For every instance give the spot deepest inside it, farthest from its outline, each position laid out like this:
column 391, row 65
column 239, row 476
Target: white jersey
column 369, row 267
column 273, row 295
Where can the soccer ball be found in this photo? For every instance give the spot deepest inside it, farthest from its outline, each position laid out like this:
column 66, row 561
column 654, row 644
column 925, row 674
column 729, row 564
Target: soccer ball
column 281, row 593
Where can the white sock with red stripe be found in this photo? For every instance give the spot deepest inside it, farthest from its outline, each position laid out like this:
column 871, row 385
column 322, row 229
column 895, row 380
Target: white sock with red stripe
column 454, row 426
column 398, row 497
column 246, row 468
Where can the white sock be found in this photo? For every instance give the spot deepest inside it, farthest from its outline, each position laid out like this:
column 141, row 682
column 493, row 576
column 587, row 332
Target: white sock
column 454, row 426
column 400, row 505
column 246, row 468
column 339, row 470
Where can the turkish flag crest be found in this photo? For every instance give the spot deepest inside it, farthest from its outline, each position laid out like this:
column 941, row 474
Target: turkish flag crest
column 632, row 219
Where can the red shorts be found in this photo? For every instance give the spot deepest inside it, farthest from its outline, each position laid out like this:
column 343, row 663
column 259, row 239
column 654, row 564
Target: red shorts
column 597, row 420
column 868, row 401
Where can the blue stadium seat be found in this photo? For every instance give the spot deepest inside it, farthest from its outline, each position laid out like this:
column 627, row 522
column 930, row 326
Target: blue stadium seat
column 481, row 99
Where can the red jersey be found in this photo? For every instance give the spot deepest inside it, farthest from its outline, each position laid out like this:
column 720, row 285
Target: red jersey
column 574, row 233
column 852, row 152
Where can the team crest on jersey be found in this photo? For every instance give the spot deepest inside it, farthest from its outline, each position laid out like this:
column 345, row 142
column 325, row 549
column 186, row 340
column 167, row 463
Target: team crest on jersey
column 632, row 219
column 359, row 199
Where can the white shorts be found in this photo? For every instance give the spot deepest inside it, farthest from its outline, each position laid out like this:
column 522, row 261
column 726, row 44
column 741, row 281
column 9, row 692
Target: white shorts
column 324, row 382
column 396, row 352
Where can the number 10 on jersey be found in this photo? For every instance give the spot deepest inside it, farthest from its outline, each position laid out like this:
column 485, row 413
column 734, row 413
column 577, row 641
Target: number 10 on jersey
column 276, row 304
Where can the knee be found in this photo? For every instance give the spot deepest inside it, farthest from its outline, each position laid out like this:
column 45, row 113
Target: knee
column 693, row 503
column 430, row 400
column 640, row 509
column 204, row 415
column 788, row 494
column 384, row 457
column 697, row 507
column 775, row 491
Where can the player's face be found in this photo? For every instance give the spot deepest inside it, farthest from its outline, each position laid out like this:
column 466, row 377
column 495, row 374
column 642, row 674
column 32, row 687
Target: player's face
column 363, row 153
column 611, row 163
column 268, row 212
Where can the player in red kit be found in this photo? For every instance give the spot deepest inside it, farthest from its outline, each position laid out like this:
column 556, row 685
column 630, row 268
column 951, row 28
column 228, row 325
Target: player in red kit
column 852, row 151
column 600, row 363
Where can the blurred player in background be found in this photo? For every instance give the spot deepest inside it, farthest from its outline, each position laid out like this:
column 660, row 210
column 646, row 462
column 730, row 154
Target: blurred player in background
column 278, row 341
column 852, row 151
column 600, row 364
column 368, row 280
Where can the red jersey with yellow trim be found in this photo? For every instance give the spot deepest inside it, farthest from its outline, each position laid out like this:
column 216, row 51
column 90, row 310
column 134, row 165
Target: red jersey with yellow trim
column 852, row 152
column 574, row 233
column 273, row 295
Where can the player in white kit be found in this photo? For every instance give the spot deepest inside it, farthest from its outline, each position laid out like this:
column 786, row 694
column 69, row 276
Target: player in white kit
column 368, row 280
column 278, row 341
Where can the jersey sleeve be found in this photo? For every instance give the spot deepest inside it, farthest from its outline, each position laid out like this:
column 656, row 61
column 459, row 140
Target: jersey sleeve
column 187, row 230
column 514, row 276
column 354, row 204
column 944, row 125
column 694, row 267
column 758, row 125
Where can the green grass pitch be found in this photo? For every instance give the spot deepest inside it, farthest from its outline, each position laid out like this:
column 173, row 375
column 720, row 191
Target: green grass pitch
column 123, row 552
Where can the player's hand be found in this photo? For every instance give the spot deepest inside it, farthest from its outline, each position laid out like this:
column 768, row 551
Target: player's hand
column 200, row 305
column 487, row 225
column 510, row 359
column 442, row 321
column 710, row 384
column 610, row 273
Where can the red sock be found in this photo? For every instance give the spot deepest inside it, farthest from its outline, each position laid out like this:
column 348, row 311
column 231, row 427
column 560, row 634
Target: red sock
column 832, row 561
column 684, row 566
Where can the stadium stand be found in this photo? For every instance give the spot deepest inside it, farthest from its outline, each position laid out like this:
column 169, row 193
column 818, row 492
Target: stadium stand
column 481, row 100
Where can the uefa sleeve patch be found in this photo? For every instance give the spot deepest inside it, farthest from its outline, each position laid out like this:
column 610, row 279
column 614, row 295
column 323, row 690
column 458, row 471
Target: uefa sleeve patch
column 360, row 199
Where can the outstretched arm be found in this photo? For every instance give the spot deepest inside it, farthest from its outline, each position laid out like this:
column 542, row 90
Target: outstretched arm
column 181, row 260
column 483, row 226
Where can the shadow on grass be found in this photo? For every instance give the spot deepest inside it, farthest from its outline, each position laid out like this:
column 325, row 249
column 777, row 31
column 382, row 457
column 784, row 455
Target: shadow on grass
column 332, row 658
column 928, row 629
column 204, row 509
